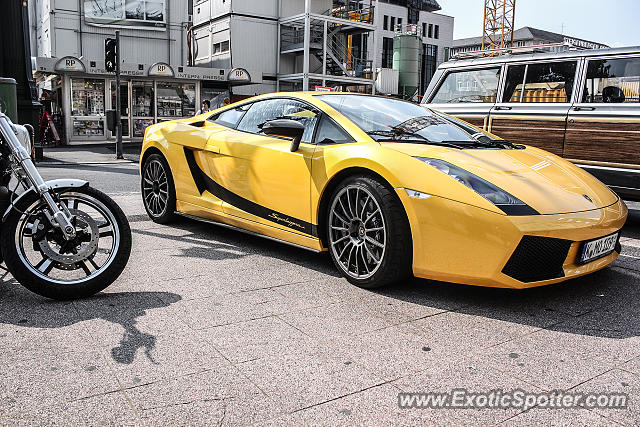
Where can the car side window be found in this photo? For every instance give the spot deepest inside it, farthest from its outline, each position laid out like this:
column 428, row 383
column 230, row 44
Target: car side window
column 330, row 133
column 613, row 81
column 229, row 118
column 543, row 82
column 271, row 109
column 469, row 86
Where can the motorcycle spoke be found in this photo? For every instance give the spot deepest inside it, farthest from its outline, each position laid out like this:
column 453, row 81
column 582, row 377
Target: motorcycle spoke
column 72, row 204
column 105, row 230
column 88, row 266
column 45, row 266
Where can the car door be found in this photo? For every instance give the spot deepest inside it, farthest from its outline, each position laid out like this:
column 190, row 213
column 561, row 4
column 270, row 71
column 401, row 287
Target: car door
column 260, row 179
column 603, row 132
column 534, row 103
column 468, row 94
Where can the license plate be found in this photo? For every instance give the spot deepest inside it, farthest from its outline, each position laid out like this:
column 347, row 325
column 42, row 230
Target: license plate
column 598, row 248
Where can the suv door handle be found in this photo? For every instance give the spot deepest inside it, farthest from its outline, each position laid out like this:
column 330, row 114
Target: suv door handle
column 584, row 108
column 502, row 107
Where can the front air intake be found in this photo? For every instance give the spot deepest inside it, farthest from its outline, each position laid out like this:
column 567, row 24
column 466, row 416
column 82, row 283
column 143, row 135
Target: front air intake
column 538, row 258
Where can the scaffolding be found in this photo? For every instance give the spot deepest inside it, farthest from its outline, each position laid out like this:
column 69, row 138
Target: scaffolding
column 330, row 57
column 498, row 26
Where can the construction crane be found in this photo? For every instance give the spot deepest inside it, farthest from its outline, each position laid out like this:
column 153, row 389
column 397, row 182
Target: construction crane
column 498, row 26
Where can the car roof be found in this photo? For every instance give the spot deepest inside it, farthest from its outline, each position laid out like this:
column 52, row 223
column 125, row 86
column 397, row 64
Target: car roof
column 465, row 63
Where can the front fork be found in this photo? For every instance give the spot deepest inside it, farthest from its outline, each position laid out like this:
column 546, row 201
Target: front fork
column 59, row 217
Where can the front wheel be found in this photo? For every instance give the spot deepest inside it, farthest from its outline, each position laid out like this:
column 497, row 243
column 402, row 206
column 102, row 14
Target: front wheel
column 368, row 233
column 38, row 256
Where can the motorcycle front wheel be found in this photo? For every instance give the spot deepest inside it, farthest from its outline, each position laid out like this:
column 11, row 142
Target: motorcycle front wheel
column 39, row 258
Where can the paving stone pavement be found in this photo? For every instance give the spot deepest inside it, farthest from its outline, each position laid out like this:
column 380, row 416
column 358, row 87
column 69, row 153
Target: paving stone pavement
column 211, row 326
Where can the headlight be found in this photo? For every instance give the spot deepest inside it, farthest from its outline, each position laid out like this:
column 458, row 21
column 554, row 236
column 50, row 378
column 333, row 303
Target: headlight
column 508, row 203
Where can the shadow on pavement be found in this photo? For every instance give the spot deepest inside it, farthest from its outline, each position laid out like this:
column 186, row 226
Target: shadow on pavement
column 21, row 308
column 216, row 242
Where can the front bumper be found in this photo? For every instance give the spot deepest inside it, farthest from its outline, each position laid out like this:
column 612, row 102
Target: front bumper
column 456, row 242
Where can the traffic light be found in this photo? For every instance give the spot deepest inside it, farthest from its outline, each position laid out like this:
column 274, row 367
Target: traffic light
column 110, row 55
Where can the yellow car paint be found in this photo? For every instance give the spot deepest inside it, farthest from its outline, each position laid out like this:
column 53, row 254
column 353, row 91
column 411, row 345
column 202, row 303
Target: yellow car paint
column 457, row 235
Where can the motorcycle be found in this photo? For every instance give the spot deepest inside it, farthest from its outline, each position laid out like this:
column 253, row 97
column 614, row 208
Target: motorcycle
column 61, row 239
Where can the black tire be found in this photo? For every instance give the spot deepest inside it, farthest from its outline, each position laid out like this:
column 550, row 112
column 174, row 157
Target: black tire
column 167, row 213
column 395, row 260
column 66, row 291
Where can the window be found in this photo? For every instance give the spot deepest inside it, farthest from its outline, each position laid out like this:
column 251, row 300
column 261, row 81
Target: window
column 436, row 32
column 393, row 23
column 373, row 114
column 613, row 81
column 424, row 29
column 430, row 31
column 513, row 83
column 221, row 47
column 387, row 52
column 330, row 133
column 469, row 86
column 429, row 64
column 385, row 23
column 400, row 24
column 229, row 118
column 271, row 109
column 87, row 97
column 545, row 82
column 176, row 99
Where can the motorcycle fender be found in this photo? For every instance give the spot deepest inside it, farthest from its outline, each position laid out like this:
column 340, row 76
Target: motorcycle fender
column 53, row 184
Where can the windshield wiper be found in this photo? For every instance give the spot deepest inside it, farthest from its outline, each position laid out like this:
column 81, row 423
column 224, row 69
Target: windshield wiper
column 396, row 136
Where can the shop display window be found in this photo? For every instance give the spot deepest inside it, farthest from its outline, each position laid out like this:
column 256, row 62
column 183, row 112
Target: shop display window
column 87, row 97
column 139, row 125
column 142, row 99
column 176, row 99
column 88, row 128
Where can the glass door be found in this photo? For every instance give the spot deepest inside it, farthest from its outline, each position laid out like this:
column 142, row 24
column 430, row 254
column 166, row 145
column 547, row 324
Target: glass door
column 142, row 107
column 124, row 106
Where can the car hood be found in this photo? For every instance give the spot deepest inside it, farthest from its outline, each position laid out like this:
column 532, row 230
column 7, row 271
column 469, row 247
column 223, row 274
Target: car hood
column 544, row 181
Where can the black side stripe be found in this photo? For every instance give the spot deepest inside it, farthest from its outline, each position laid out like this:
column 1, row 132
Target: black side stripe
column 205, row 183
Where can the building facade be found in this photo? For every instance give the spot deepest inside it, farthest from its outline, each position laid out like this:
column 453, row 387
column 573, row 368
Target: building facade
column 158, row 84
column 348, row 39
column 527, row 37
column 435, row 30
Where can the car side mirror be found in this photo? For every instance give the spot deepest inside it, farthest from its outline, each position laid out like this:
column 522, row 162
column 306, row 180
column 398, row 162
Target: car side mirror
column 287, row 128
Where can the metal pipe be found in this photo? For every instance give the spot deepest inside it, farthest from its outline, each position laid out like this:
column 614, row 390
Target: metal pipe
column 168, row 32
column 79, row 25
column 307, row 44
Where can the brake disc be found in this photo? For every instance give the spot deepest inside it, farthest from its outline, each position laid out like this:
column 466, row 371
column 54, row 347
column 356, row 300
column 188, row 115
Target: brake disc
column 84, row 250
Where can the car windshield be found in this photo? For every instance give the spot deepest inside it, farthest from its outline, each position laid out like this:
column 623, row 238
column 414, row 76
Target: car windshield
column 387, row 119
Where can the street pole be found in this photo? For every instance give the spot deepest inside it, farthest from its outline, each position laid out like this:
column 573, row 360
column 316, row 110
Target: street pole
column 118, row 112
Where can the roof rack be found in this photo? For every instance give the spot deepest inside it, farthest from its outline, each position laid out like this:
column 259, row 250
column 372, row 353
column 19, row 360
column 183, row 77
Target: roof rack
column 539, row 48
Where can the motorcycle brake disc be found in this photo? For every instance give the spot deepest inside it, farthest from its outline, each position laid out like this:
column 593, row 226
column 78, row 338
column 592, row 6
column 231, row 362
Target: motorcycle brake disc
column 84, row 249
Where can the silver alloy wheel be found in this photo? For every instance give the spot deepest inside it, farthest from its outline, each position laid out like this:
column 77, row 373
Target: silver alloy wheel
column 155, row 188
column 83, row 260
column 357, row 232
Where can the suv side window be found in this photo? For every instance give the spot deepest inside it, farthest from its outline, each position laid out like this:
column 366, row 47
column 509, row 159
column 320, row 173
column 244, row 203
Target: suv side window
column 613, row 81
column 229, row 118
column 469, row 86
column 271, row 109
column 544, row 82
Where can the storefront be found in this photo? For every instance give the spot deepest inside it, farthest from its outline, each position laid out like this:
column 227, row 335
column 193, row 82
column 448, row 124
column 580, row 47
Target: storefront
column 149, row 94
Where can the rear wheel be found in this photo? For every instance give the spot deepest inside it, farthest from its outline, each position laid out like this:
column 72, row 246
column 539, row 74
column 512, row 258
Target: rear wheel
column 368, row 233
column 158, row 190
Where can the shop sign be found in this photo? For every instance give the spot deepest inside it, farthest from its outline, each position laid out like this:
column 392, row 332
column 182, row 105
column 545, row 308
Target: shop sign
column 70, row 63
column 161, row 69
column 238, row 75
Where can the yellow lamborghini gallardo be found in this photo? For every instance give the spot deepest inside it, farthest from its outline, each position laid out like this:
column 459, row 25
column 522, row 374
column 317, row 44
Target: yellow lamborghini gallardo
column 389, row 188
